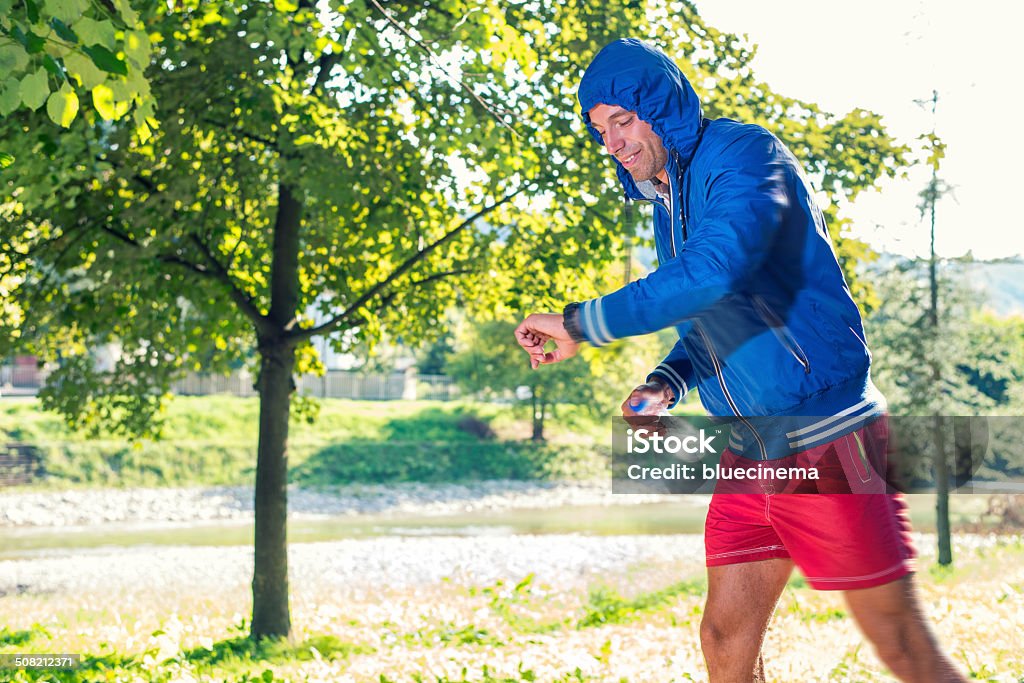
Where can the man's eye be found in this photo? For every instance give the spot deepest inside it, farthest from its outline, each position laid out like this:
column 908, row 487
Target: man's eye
column 623, row 124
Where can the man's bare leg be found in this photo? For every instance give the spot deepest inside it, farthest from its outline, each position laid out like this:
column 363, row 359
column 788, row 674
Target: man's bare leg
column 892, row 618
column 741, row 599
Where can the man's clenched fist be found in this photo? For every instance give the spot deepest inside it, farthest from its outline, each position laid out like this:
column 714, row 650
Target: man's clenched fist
column 540, row 328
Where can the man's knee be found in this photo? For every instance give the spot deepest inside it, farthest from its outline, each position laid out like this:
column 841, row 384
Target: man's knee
column 904, row 641
column 710, row 636
column 898, row 654
column 716, row 639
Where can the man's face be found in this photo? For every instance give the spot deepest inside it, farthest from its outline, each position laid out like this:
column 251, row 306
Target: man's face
column 631, row 141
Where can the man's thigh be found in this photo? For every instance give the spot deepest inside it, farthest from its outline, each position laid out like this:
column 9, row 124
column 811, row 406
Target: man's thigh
column 881, row 607
column 742, row 597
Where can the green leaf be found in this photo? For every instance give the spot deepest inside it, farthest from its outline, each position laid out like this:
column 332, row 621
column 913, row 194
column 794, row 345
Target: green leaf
column 129, row 15
column 12, row 58
column 142, row 130
column 54, row 67
column 92, row 32
column 106, row 60
column 136, row 47
column 10, row 97
column 5, row 160
column 63, row 31
column 103, row 100
column 35, row 88
column 65, row 10
column 33, row 44
column 81, row 66
column 63, row 106
column 32, row 9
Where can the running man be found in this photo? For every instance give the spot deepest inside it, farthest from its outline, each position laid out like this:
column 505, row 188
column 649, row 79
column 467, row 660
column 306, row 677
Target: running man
column 767, row 327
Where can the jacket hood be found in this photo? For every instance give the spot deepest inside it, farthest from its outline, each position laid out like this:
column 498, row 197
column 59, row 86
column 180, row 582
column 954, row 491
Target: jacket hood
column 636, row 76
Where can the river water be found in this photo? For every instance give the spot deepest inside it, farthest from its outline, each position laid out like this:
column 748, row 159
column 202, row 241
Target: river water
column 683, row 517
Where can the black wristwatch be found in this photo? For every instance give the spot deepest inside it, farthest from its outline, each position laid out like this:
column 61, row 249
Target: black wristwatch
column 571, row 321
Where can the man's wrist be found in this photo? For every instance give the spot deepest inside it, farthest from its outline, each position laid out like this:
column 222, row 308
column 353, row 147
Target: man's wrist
column 571, row 322
column 666, row 388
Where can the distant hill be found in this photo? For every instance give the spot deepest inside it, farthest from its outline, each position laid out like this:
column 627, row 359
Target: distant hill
column 1001, row 283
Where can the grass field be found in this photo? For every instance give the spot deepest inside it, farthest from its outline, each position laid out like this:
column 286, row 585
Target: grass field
column 639, row 625
column 212, row 440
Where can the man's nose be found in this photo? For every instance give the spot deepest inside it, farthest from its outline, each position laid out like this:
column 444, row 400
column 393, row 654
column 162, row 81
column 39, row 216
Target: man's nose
column 613, row 142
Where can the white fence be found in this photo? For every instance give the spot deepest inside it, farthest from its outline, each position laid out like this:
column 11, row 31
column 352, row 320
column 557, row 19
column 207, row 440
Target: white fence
column 21, row 376
column 333, row 384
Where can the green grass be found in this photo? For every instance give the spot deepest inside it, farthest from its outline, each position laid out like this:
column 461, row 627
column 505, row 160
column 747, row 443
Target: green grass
column 607, row 606
column 451, row 633
column 212, row 440
column 239, row 659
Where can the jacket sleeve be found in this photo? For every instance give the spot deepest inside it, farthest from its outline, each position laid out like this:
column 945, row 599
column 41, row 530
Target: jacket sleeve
column 677, row 371
column 746, row 198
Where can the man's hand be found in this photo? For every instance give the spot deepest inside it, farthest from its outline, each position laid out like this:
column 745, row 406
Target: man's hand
column 540, row 328
column 652, row 398
column 645, row 404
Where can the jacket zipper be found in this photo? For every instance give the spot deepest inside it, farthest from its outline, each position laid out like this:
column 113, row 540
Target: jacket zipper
column 781, row 332
column 670, row 209
column 725, row 390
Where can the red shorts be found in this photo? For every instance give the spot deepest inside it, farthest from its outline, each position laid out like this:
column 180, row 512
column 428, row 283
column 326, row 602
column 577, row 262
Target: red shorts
column 838, row 541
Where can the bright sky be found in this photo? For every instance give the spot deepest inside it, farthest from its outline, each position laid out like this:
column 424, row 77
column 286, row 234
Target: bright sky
column 881, row 55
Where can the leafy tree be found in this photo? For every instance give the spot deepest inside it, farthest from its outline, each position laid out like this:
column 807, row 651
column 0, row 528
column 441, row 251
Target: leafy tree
column 905, row 347
column 432, row 358
column 54, row 52
column 961, row 362
column 488, row 362
column 995, row 365
column 309, row 165
column 335, row 170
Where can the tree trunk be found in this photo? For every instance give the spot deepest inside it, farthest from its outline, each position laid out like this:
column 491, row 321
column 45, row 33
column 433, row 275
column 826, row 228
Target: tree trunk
column 942, row 525
column 270, row 611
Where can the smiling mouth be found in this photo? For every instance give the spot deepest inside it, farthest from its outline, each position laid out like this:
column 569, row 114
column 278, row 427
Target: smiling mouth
column 630, row 160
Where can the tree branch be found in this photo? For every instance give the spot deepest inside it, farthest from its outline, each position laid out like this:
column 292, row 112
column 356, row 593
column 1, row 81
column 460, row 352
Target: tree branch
column 336, row 321
column 217, row 273
column 433, row 58
column 244, row 301
column 272, row 144
column 439, row 276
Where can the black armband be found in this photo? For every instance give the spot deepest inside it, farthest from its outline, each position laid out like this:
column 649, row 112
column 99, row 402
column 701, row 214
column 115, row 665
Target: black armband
column 571, row 321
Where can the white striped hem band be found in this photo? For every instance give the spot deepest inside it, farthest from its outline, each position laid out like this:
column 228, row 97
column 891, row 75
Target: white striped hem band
column 592, row 321
column 678, row 383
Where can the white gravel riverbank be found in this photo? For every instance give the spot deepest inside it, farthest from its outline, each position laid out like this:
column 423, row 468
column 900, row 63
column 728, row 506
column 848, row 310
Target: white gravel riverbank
column 99, row 506
column 361, row 566
column 349, row 566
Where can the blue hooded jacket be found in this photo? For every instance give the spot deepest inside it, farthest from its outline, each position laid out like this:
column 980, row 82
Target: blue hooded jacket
column 746, row 273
